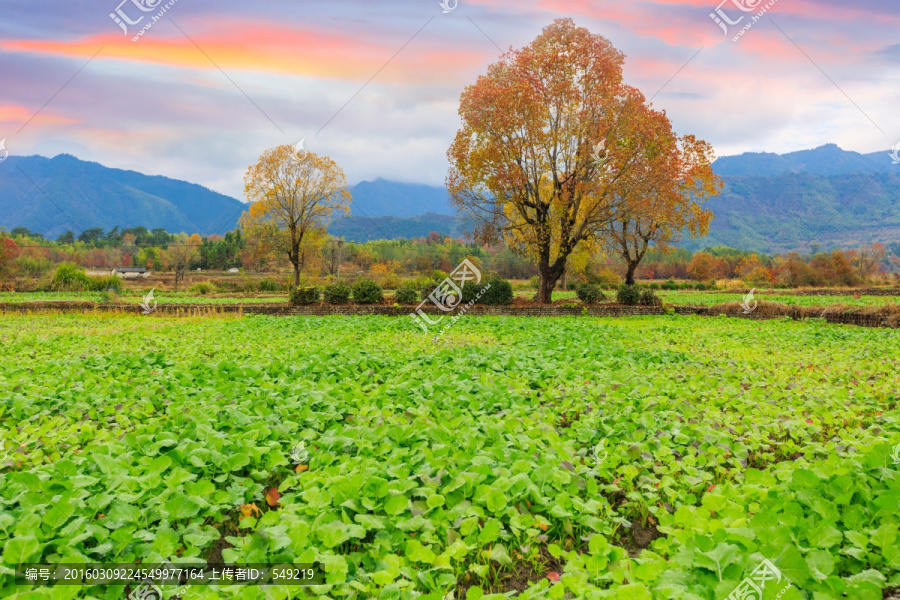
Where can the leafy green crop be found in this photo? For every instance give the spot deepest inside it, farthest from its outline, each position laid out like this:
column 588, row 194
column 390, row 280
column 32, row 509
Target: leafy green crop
column 406, row 467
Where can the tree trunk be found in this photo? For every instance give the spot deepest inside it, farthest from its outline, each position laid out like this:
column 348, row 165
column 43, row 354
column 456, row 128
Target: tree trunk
column 629, row 276
column 545, row 290
column 294, row 254
column 548, row 278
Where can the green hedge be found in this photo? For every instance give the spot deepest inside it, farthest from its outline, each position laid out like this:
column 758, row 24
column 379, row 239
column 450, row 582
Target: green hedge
column 589, row 293
column 406, row 294
column 648, row 298
column 72, row 278
column 629, row 295
column 305, row 295
column 337, row 293
column 367, row 291
column 500, row 292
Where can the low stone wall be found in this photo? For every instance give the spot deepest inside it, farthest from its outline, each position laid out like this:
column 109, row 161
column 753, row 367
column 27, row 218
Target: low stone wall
column 861, row 319
column 832, row 292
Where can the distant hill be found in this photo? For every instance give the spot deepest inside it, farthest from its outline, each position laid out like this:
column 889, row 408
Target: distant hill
column 52, row 195
column 797, row 210
column 383, row 198
column 771, row 203
column 363, row 229
column 824, row 160
column 77, row 195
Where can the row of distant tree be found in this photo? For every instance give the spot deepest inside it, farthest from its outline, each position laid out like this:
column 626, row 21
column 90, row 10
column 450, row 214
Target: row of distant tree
column 26, row 254
column 97, row 238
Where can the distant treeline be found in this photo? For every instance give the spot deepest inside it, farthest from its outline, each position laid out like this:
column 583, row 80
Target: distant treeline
column 27, row 254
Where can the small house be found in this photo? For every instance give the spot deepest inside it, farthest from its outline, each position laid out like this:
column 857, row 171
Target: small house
column 131, row 272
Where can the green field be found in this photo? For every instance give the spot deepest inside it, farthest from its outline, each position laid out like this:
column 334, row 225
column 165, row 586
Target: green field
column 679, row 297
column 632, row 458
column 695, row 298
column 136, row 298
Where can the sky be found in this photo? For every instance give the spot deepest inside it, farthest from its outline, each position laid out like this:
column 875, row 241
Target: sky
column 208, row 86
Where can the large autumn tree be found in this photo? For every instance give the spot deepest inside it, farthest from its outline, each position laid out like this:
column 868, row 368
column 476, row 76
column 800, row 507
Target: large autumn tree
column 549, row 148
column 661, row 195
column 292, row 198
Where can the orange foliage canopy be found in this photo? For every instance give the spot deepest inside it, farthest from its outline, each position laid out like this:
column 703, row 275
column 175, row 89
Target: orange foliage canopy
column 554, row 147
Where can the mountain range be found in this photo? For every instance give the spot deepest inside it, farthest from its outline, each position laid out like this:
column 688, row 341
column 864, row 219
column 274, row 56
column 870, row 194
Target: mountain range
column 825, row 197
column 53, row 195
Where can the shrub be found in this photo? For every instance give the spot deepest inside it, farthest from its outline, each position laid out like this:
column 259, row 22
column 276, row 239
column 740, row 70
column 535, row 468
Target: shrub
column 304, row 295
column 70, row 278
column 391, row 281
column 406, row 294
column 269, row 285
column 248, row 285
column 428, row 286
column 670, row 285
column 500, row 292
column 109, row 282
column 471, row 290
column 589, row 293
column 605, row 278
column 32, row 266
column 629, row 295
column 367, row 291
column 228, row 285
column 648, row 298
column 337, row 293
column 202, row 288
column 654, row 286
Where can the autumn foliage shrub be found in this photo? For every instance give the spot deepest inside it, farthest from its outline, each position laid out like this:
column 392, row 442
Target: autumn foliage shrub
column 305, row 295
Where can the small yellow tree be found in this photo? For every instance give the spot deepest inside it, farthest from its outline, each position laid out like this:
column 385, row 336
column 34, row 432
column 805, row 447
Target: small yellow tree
column 293, row 197
column 181, row 251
